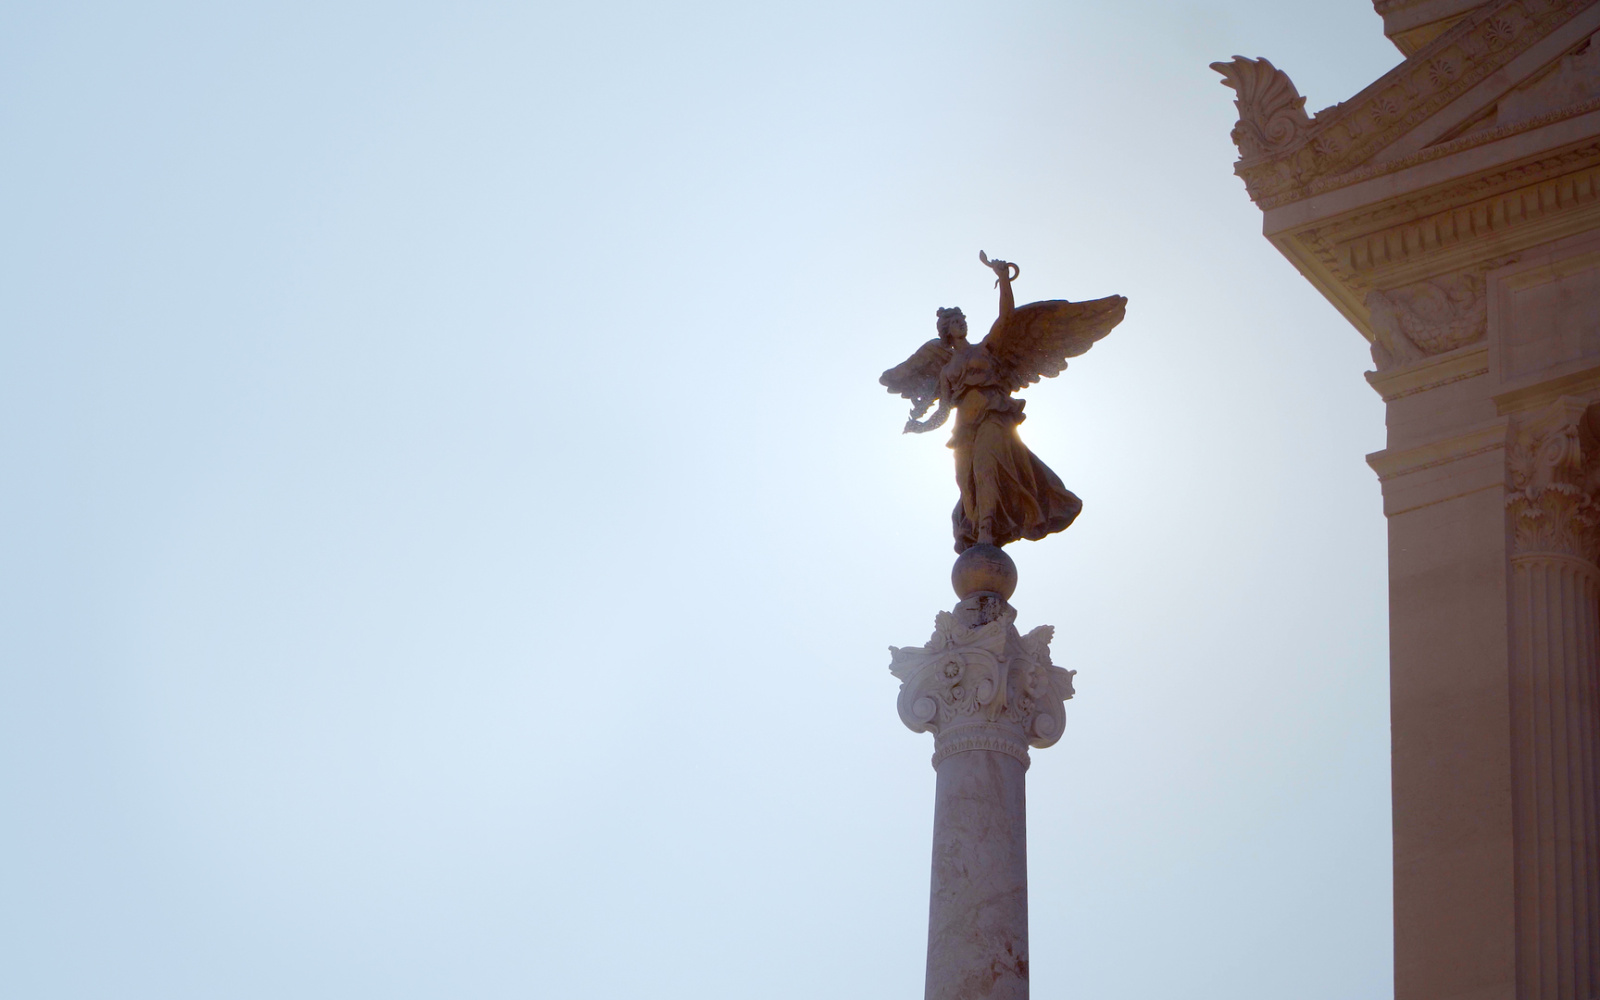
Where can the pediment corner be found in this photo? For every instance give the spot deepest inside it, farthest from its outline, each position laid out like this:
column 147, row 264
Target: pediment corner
column 1286, row 155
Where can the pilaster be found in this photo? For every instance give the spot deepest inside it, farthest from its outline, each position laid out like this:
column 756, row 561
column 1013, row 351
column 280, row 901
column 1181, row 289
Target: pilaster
column 1555, row 527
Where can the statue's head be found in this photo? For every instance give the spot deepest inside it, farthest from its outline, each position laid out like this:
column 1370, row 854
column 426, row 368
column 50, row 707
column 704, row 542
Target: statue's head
column 952, row 325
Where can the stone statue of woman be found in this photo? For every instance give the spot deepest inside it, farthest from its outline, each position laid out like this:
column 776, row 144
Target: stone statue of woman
column 1006, row 492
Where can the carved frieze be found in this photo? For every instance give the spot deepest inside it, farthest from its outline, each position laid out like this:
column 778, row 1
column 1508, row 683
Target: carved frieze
column 978, row 684
column 1489, row 205
column 1328, row 150
column 1427, row 317
column 1402, row 241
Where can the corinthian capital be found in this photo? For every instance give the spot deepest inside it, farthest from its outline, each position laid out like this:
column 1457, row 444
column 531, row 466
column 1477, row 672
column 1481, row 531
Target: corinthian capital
column 1553, row 466
column 978, row 684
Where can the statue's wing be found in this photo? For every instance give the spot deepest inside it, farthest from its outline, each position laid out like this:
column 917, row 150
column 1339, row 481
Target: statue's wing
column 1038, row 338
column 917, row 379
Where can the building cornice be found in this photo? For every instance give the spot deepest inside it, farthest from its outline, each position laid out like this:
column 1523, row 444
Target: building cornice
column 1431, row 373
column 1457, row 224
column 1300, row 156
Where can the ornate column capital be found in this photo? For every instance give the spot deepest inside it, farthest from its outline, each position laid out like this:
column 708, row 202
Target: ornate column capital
column 979, row 684
column 1554, row 467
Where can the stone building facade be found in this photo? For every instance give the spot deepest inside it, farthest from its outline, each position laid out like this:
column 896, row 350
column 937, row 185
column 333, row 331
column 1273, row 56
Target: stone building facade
column 1451, row 212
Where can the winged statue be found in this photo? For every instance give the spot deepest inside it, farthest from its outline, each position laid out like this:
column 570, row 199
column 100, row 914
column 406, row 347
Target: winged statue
column 1006, row 492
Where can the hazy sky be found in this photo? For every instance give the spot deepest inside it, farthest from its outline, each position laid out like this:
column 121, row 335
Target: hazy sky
column 452, row 529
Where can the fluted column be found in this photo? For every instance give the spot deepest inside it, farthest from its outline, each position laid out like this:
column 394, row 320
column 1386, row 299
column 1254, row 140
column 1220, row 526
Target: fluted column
column 1555, row 663
column 987, row 693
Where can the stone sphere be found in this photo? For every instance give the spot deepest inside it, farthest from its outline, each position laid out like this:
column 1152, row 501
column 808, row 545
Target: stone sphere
column 984, row 569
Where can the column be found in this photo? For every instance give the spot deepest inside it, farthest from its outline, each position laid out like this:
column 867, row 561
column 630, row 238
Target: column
column 987, row 693
column 1555, row 618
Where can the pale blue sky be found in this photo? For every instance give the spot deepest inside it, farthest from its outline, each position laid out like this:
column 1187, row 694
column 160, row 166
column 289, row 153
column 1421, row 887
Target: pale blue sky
column 452, row 529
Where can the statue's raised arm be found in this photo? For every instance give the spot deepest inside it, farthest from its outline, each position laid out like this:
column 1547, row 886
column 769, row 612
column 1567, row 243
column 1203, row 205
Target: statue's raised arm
column 1005, row 273
column 1037, row 339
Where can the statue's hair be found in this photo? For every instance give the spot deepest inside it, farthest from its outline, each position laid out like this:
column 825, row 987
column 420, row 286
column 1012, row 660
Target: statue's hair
column 948, row 316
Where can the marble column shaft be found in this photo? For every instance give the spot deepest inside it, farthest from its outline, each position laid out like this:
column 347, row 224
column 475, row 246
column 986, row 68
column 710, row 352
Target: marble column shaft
column 1555, row 665
column 1555, row 617
column 978, row 906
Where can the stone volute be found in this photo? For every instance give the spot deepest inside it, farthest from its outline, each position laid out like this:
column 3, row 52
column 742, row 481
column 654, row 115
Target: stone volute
column 979, row 683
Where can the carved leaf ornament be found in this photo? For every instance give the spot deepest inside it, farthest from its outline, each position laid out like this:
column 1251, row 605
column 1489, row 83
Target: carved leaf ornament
column 1558, row 519
column 1272, row 113
column 1499, row 32
column 977, row 669
column 1551, row 502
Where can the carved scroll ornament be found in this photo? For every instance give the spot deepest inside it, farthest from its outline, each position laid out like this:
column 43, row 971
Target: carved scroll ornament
column 978, row 684
column 1554, row 470
column 1272, row 113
